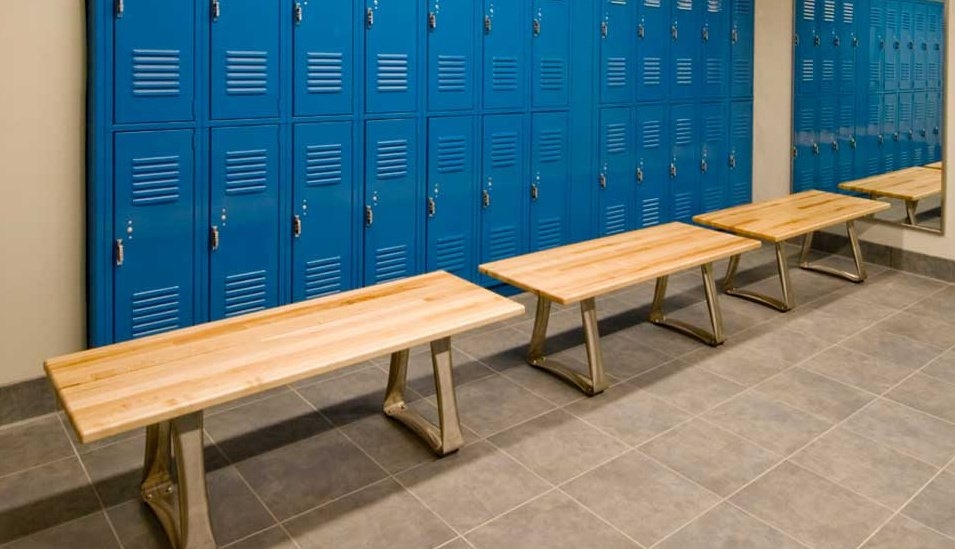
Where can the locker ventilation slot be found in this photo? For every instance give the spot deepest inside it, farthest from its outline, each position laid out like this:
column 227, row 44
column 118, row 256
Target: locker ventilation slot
column 504, row 74
column 391, row 263
column 155, row 180
column 156, row 72
column 809, row 10
column 684, row 71
column 848, row 13
column 875, row 73
column 714, row 6
column 502, row 243
column 712, row 199
column 652, row 3
column 684, row 132
column 553, row 74
column 684, row 5
column 682, row 206
column 616, row 138
column 848, row 72
column 807, row 72
column 246, row 172
column 550, row 146
column 652, row 71
column 155, row 311
column 503, row 150
column 828, row 70
column 742, row 71
column 615, row 220
column 451, row 154
column 714, row 71
column 650, row 212
column 651, row 135
column 247, row 72
column 245, row 293
column 548, row 233
column 323, row 165
column 743, row 7
column 450, row 254
column 452, row 73
column 713, row 128
column 829, row 11
column 323, row 277
column 740, row 191
column 392, row 159
column 616, row 72
column 325, row 72
column 392, row 72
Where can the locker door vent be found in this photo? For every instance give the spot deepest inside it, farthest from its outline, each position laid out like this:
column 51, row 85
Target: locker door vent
column 682, row 206
column 615, row 219
column 452, row 157
column 156, row 72
column 651, row 212
column 652, row 71
column 246, row 172
column 392, row 159
column 450, row 254
column 155, row 180
column 325, row 72
column 553, row 74
column 392, row 72
column 323, row 165
column 323, row 277
column 616, row 72
column 247, row 72
column 452, row 73
column 245, row 293
column 550, row 146
column 713, row 71
column 684, row 71
column 390, row 263
column 504, row 74
column 504, row 149
column 155, row 311
column 548, row 233
column 502, row 243
column 616, row 138
column 712, row 198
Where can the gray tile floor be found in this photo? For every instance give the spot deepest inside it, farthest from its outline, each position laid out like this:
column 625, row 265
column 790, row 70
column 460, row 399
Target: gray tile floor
column 830, row 426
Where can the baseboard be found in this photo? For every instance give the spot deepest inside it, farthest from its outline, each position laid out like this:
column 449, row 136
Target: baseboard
column 25, row 400
column 888, row 256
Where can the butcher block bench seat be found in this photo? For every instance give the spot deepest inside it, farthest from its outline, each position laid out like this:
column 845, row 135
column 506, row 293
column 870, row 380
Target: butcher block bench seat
column 579, row 273
column 934, row 165
column 782, row 219
column 164, row 382
column 910, row 185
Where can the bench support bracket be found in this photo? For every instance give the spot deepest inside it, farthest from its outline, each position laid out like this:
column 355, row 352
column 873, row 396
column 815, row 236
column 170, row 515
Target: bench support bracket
column 536, row 356
column 858, row 277
column 658, row 317
column 911, row 209
column 184, row 516
column 787, row 303
column 445, row 437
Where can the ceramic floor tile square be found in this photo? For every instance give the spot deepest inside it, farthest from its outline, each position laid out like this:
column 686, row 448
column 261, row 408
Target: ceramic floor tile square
column 495, row 403
column 547, row 385
column 501, row 349
column 465, row 370
column 928, row 394
column 933, row 506
column 89, row 531
column 137, row 526
column 902, row 531
column 902, row 350
column 628, row 413
column 815, row 394
column 939, row 306
column 352, row 397
column 742, row 364
column 688, row 387
column 33, row 443
column 623, row 357
column 726, row 527
column 906, row 430
column 660, row 339
column 859, row 370
column 920, row 328
column 943, row 367
column 897, row 289
column 273, row 538
column 773, row 425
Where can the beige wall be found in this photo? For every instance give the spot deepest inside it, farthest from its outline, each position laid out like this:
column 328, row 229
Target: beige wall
column 42, row 304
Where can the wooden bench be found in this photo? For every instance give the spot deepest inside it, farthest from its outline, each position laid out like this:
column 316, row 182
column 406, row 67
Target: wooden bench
column 934, row 165
column 164, row 382
column 782, row 219
column 580, row 272
column 910, row 185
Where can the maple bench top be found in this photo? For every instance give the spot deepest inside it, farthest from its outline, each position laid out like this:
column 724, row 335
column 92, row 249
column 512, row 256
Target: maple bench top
column 791, row 216
column 133, row 384
column 580, row 271
column 907, row 184
column 934, row 165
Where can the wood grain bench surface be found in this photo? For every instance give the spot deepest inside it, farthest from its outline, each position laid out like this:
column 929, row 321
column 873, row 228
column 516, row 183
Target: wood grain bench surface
column 791, row 216
column 138, row 383
column 934, row 165
column 908, row 184
column 576, row 272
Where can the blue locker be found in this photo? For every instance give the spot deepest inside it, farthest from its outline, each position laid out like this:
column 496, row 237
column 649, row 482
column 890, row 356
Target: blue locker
column 154, row 62
column 245, row 59
column 906, row 129
column 741, row 46
column 845, row 143
column 323, row 209
column 849, row 34
column 503, row 188
column 907, row 46
column 872, row 143
column 829, row 48
column 616, row 51
column 452, row 186
column 653, row 161
column 550, row 28
column 154, row 230
column 244, row 213
column 920, row 46
column 617, row 179
column 653, row 44
column 324, row 58
column 893, row 46
column 934, row 55
column 714, row 164
column 685, row 49
column 933, row 126
column 392, row 202
column 808, row 48
column 741, row 153
column 391, row 55
column 891, row 146
column 920, row 152
column 451, row 58
column 715, row 57
column 685, row 180
column 505, row 54
column 806, row 146
column 550, row 180
column 876, row 48
column 827, row 131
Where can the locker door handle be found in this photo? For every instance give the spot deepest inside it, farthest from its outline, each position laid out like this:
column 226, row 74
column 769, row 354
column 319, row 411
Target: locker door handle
column 795, row 40
column 732, row 161
column 672, row 169
column 881, row 139
column 432, row 207
column 488, row 24
column 935, row 130
column 603, row 181
column 537, row 27
column 119, row 252
column 855, row 41
column 704, row 166
column 734, row 35
column 296, row 226
column 119, row 7
column 896, row 136
column 815, row 148
column 816, row 40
column 706, row 34
column 795, row 152
column 485, row 199
column 923, row 132
column 639, row 174
column 882, row 43
column 535, row 191
column 432, row 20
column 604, row 29
column 216, row 10
column 835, row 145
column 641, row 30
column 897, row 44
column 214, row 237
column 853, row 143
column 369, row 216
column 297, row 13
column 911, row 45
column 911, row 134
column 369, row 18
column 836, row 41
column 674, row 32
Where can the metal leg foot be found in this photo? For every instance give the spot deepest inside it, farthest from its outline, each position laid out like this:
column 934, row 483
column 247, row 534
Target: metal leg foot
column 857, row 277
column 189, row 526
column 658, row 317
column 786, row 304
column 446, row 437
column 536, row 356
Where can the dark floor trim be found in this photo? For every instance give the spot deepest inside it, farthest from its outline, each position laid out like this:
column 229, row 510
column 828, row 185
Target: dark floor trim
column 888, row 256
column 26, row 400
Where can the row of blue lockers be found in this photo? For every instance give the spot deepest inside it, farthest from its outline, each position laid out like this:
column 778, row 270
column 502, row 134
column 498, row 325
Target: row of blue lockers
column 468, row 190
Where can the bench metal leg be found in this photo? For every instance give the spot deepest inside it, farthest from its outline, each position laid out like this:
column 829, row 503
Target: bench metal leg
column 658, row 317
column 857, row 277
column 911, row 207
column 445, row 437
column 729, row 283
column 596, row 383
column 189, row 526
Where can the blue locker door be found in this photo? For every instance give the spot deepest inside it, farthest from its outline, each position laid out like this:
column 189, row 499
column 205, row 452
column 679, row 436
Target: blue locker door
column 808, row 47
column 933, row 126
column 452, row 187
column 617, row 179
column 550, row 180
column 876, row 48
column 686, row 48
column 714, row 163
column 871, row 145
column 849, row 33
column 244, row 213
column 907, row 46
column 806, row 145
column 503, row 188
column 716, row 59
column 845, row 140
column 891, row 146
column 906, row 129
column 920, row 138
column 451, row 60
column 920, row 47
column 933, row 58
column 616, row 51
column 505, row 54
column 684, row 166
column 324, row 212
column 741, row 153
column 829, row 47
column 153, row 53
column 391, row 55
column 653, row 43
column 741, row 45
column 245, row 59
column 391, row 200
column 550, row 28
column 893, row 46
column 653, row 161
column 324, row 57
column 154, row 184
column 827, row 131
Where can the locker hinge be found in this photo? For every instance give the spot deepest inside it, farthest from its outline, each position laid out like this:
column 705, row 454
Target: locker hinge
column 432, row 207
column 296, row 225
column 369, row 216
column 297, row 14
column 535, row 191
column 604, row 29
column 705, row 34
column 485, row 199
column 672, row 169
column 639, row 174
column 734, row 36
column 488, row 24
column 119, row 6
column 214, row 238
column 732, row 160
column 432, row 20
column 369, row 18
column 216, row 10
column 537, row 27
column 603, row 181
column 641, row 30
column 119, row 252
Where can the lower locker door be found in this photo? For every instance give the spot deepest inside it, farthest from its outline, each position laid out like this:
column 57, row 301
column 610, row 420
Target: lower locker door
column 550, row 180
column 503, row 199
column 653, row 160
column 714, row 167
column 740, row 160
column 617, row 178
column 684, row 163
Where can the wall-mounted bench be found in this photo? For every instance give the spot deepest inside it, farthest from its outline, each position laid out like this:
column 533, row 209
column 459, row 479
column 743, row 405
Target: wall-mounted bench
column 581, row 272
column 910, row 185
column 782, row 219
column 164, row 382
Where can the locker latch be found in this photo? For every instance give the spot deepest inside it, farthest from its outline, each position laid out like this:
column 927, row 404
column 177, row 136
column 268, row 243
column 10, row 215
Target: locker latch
column 795, row 40
column 432, row 207
column 485, row 199
column 911, row 45
column 882, row 43
column 370, row 18
column 924, row 46
column 369, row 216
column 816, row 40
column 896, row 136
column 641, row 30
column 119, row 7
column 815, row 148
column 674, row 31
column 704, row 166
column 432, row 20
column 488, row 24
column 297, row 13
column 897, row 44
column 216, row 10
column 935, row 130
column 734, row 36
column 535, row 191
column 639, row 174
column 603, row 181
column 672, row 169
column 537, row 27
column 296, row 225
column 836, row 41
column 732, row 161
column 911, row 134
column 855, row 41
column 923, row 132
column 881, row 139
column 835, row 145
column 214, row 237
column 706, row 34
column 853, row 143
column 119, row 252
column 604, row 29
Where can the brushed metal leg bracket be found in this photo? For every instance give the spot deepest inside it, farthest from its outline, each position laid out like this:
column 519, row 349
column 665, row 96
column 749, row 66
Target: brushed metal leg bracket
column 596, row 383
column 911, row 209
column 658, row 317
column 787, row 303
column 858, row 277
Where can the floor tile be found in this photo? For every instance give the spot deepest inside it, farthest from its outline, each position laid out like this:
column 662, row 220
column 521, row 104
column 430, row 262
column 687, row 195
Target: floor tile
column 382, row 515
column 352, row 397
column 383, row 360
column 558, row 446
column 273, row 538
column 906, row 430
column 501, row 349
column 553, row 521
column 89, row 531
column 928, row 394
column 116, row 470
column 939, row 306
column 33, row 443
column 902, row 531
column 833, row 320
column 943, row 367
column 495, row 403
column 234, row 509
column 628, row 413
column 29, row 399
column 255, row 397
column 815, row 394
column 933, row 506
column 859, row 370
column 421, row 371
column 389, row 443
column 742, row 364
column 137, row 526
column 897, row 289
column 623, row 357
column 547, row 385
column 640, row 497
column 470, row 487
column 901, row 350
column 710, row 456
column 688, row 387
column 789, row 346
column 661, row 339
column 773, row 425
column 726, row 527
column 457, row 543
column 920, row 328
column 811, row 508
column 866, row 467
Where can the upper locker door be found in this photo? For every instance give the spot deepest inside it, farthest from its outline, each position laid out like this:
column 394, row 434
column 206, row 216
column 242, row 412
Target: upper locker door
column 323, row 199
column 830, row 46
column 154, row 232
column 452, row 186
column 153, row 63
column 505, row 54
column 808, row 44
column 617, row 178
column 391, row 55
column 933, row 58
column 324, row 57
column 716, row 60
column 616, row 51
column 686, row 46
column 653, row 160
column 550, row 59
column 740, row 160
column 741, row 44
column 391, row 200
column 451, row 59
column 921, row 41
column 907, row 46
column 653, row 46
column 550, row 180
column 684, row 162
column 244, row 213
column 245, row 59
column 503, row 188
column 893, row 46
column 876, row 49
column 850, row 40
column 714, row 163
